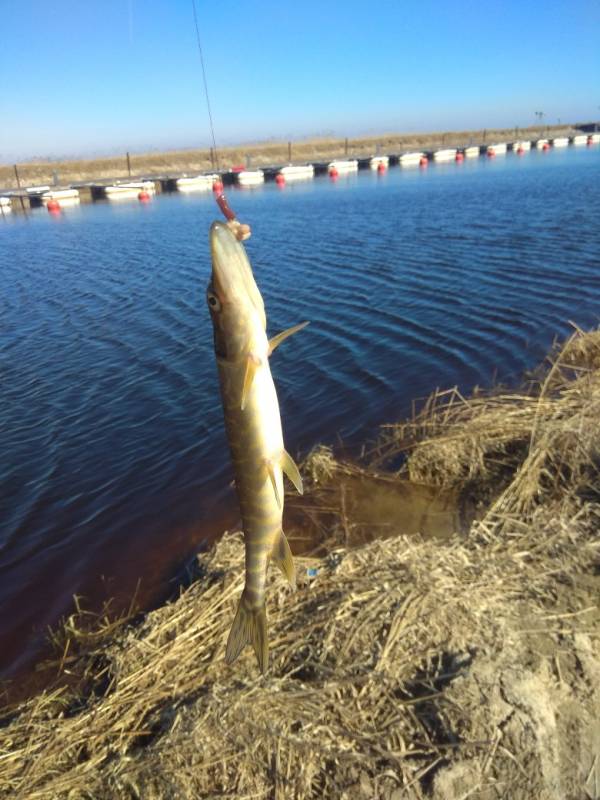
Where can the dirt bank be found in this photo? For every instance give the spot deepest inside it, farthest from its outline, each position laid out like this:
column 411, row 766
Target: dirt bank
column 256, row 155
column 459, row 665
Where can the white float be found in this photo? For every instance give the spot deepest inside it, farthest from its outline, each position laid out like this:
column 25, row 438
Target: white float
column 249, row 177
column 295, row 172
column 122, row 191
column 350, row 165
column 68, row 196
column 410, row 159
column 196, row 183
column 448, row 154
column 379, row 161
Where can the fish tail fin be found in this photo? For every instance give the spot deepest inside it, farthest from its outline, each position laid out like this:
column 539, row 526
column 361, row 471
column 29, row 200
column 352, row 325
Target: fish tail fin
column 282, row 556
column 249, row 627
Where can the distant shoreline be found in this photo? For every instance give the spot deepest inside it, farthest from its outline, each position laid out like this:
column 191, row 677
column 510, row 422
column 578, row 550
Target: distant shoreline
column 69, row 171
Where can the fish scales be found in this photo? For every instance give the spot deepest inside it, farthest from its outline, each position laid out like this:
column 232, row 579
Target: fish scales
column 253, row 426
column 255, row 436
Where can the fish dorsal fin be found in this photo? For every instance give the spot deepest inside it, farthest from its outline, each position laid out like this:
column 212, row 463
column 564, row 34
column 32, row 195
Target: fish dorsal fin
column 282, row 556
column 277, row 340
column 288, row 465
column 252, row 364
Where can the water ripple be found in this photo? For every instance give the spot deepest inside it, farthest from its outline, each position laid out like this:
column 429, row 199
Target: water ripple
column 110, row 411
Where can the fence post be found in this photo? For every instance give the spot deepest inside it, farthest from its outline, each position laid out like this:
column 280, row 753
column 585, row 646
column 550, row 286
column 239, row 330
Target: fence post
column 128, row 165
column 17, row 177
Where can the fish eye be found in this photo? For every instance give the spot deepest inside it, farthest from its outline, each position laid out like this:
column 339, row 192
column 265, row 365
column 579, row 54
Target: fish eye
column 213, row 301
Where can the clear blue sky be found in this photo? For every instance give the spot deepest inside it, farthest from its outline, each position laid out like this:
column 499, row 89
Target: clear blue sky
column 91, row 77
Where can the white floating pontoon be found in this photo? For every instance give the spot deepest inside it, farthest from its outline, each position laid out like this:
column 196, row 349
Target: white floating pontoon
column 472, row 152
column 68, row 196
column 580, row 139
column 498, row 149
column 445, row 155
column 343, row 166
column 541, row 143
column 410, row 159
column 5, row 205
column 122, row 191
column 294, row 172
column 562, row 141
column 377, row 161
column 250, row 177
column 196, row 183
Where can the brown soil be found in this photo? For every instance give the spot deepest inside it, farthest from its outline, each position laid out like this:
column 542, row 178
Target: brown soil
column 461, row 664
column 256, row 155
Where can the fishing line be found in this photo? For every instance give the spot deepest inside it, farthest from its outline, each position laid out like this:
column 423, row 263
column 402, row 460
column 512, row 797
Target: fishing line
column 212, row 129
column 240, row 231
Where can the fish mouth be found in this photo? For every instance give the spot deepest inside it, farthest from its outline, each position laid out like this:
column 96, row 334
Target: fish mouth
column 230, row 266
column 232, row 276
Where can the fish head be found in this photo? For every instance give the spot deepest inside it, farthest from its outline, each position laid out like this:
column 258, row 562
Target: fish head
column 236, row 307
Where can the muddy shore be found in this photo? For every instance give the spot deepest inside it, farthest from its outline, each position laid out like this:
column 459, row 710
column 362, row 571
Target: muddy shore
column 67, row 171
column 443, row 641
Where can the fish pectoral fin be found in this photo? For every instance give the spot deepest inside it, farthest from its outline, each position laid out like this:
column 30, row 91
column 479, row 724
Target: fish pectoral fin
column 252, row 364
column 277, row 340
column 273, row 477
column 282, row 556
column 249, row 627
column 288, row 465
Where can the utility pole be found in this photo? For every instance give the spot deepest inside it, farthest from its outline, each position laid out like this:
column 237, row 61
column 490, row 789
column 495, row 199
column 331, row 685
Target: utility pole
column 539, row 115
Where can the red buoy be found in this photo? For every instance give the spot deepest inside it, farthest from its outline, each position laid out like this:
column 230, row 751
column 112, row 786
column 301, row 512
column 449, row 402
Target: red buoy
column 460, row 156
column 280, row 179
column 520, row 151
column 491, row 152
column 381, row 167
column 423, row 161
column 333, row 173
column 217, row 186
column 546, row 146
column 144, row 196
column 53, row 206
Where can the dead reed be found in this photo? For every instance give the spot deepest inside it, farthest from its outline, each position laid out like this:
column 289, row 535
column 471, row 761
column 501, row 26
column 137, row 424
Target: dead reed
column 405, row 668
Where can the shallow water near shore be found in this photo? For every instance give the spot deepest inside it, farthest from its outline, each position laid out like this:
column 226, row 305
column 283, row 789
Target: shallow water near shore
column 115, row 465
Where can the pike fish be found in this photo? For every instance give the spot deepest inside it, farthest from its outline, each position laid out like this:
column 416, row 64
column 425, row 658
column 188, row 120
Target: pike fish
column 253, row 426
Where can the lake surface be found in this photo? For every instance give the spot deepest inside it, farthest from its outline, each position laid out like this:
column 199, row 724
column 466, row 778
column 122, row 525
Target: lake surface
column 114, row 460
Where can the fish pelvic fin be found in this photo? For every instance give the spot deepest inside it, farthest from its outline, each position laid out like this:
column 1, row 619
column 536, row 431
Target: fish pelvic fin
column 252, row 364
column 277, row 340
column 282, row 556
column 288, row 465
column 273, row 478
column 249, row 627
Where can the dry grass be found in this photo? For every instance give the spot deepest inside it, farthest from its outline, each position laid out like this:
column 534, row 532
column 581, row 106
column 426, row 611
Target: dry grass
column 255, row 154
column 400, row 669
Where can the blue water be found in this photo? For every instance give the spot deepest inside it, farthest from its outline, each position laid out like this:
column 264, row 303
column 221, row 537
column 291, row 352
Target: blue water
column 114, row 461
